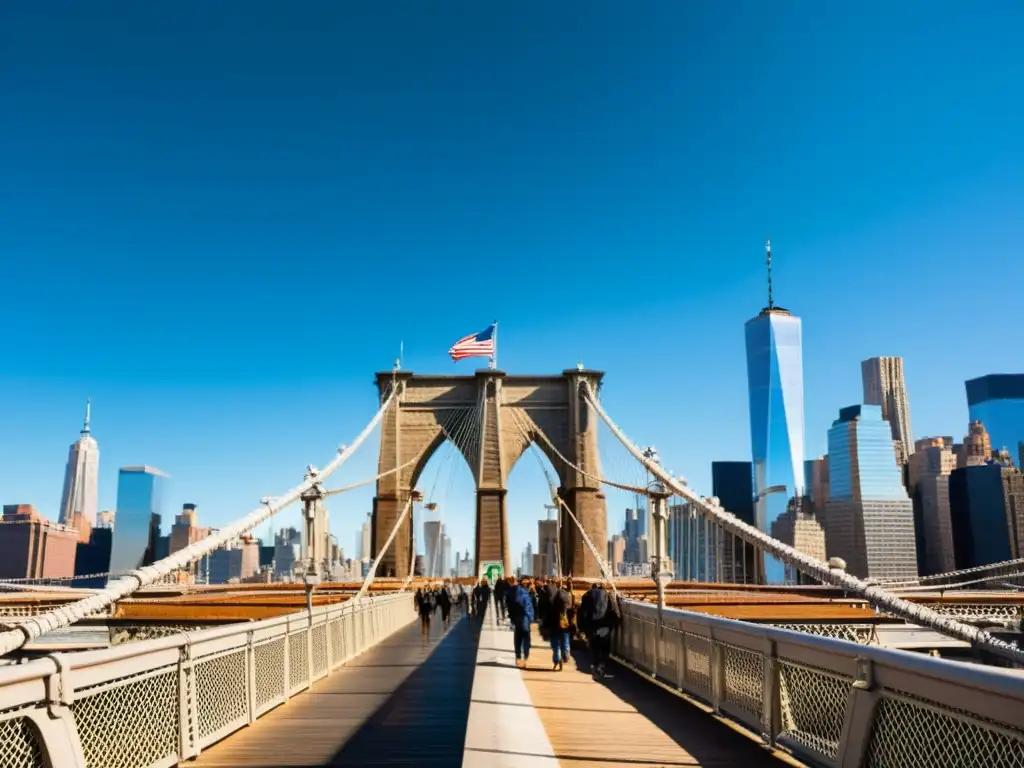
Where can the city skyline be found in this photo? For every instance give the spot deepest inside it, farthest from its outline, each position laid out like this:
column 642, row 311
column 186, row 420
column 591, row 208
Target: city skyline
column 169, row 222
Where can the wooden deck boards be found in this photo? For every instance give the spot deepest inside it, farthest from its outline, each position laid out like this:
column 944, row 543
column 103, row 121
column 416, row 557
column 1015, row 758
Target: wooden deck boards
column 404, row 702
column 626, row 721
column 407, row 702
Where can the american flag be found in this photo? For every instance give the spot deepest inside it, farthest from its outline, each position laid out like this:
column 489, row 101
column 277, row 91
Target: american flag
column 475, row 345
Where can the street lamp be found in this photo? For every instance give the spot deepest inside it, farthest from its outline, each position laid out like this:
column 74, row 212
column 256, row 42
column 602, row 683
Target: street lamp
column 661, row 566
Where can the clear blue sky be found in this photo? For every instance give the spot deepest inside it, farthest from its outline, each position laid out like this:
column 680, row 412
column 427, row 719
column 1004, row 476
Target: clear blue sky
column 219, row 219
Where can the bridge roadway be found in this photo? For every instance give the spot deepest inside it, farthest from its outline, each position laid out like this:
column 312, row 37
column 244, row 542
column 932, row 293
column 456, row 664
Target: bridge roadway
column 456, row 698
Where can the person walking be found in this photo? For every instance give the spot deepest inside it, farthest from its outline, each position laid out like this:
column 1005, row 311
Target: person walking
column 556, row 622
column 481, row 599
column 546, row 590
column 500, row 589
column 425, row 605
column 520, row 612
column 444, row 601
column 598, row 616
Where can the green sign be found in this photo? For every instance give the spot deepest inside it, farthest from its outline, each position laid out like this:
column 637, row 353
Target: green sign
column 493, row 571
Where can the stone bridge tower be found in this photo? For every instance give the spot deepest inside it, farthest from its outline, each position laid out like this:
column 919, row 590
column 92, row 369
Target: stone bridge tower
column 507, row 414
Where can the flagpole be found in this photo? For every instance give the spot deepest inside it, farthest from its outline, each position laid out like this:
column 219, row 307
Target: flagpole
column 494, row 356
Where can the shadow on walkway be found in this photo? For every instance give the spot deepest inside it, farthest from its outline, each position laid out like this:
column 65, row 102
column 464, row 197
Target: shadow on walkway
column 423, row 721
column 707, row 741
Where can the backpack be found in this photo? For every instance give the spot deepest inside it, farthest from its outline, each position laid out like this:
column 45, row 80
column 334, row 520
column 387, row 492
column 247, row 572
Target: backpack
column 563, row 614
column 599, row 606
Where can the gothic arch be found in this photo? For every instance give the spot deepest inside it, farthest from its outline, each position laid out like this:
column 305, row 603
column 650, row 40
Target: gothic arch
column 510, row 413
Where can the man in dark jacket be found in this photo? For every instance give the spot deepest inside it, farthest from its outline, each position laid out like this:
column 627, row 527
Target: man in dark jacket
column 546, row 590
column 556, row 624
column 520, row 612
column 500, row 587
column 599, row 615
column 481, row 598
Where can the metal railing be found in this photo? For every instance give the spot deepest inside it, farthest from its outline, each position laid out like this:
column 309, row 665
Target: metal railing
column 156, row 703
column 831, row 702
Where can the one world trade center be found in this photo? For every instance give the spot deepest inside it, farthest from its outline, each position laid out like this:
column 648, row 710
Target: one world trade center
column 775, row 383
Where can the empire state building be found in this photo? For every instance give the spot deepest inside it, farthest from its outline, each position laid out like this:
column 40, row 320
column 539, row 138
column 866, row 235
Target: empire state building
column 81, row 489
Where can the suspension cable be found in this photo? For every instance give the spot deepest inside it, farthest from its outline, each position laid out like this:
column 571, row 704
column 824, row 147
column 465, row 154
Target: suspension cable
column 876, row 596
column 368, row 480
column 534, row 430
column 68, row 614
column 935, row 578
column 380, row 555
column 560, row 502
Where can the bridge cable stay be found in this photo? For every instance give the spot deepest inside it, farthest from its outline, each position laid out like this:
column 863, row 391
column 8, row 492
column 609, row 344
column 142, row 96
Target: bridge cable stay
column 459, row 418
column 935, row 577
column 458, row 421
column 459, row 437
column 372, row 574
column 533, row 431
column 525, row 431
column 943, row 586
column 874, row 595
column 34, row 626
column 466, row 435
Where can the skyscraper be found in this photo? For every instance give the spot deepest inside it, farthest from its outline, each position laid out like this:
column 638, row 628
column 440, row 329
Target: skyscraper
column 733, row 483
column 81, row 477
column 884, row 386
column 547, row 545
column 775, row 382
column 976, row 449
column 140, row 493
column 433, row 543
column 691, row 545
column 997, row 401
column 365, row 539
column 986, row 502
column 869, row 519
column 928, row 479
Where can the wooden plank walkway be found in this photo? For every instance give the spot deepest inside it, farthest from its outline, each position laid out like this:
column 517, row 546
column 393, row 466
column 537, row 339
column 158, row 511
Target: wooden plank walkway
column 627, row 721
column 504, row 729
column 456, row 698
column 403, row 702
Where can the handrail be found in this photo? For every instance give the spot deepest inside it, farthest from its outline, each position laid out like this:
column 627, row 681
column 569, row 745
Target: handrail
column 214, row 681
column 830, row 702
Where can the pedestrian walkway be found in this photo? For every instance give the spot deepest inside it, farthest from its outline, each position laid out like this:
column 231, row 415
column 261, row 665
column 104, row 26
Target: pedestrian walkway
column 403, row 702
column 456, row 698
column 624, row 720
column 504, row 730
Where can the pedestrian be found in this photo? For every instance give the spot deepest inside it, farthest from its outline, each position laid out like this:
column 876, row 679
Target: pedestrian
column 556, row 619
column 444, row 601
column 520, row 612
column 598, row 616
column 500, row 588
column 481, row 599
column 425, row 605
column 545, row 592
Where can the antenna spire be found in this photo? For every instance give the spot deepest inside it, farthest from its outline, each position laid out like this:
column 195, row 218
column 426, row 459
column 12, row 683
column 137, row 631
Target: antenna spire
column 768, row 261
column 88, row 415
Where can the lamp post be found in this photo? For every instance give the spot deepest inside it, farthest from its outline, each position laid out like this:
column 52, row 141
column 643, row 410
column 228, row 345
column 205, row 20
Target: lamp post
column 312, row 519
column 661, row 565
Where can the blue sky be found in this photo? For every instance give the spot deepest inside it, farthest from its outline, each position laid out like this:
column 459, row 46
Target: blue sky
column 219, row 220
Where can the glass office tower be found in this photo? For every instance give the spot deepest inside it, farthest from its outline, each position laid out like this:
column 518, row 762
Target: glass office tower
column 997, row 401
column 776, row 386
column 869, row 516
column 140, row 494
